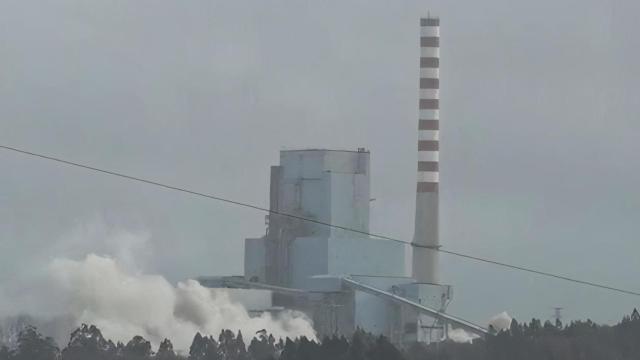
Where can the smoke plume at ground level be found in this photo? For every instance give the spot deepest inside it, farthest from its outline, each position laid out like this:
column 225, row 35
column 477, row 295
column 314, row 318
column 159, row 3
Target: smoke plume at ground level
column 97, row 290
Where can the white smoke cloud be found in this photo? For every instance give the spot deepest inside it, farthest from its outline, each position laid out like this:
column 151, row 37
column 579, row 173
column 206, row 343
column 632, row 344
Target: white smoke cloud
column 97, row 290
column 132, row 248
column 112, row 293
column 461, row 336
column 501, row 321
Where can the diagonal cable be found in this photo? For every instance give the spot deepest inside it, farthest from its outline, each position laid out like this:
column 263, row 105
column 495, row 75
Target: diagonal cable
column 314, row 221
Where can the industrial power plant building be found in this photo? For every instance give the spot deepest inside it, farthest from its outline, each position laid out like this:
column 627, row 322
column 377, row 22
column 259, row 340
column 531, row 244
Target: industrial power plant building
column 338, row 275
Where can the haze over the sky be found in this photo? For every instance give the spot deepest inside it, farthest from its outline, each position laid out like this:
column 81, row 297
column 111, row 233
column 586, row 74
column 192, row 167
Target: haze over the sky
column 539, row 133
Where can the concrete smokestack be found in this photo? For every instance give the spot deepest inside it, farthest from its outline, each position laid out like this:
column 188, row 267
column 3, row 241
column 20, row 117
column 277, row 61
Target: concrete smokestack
column 425, row 261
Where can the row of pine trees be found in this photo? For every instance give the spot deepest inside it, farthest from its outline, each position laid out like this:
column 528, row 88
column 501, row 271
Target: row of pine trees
column 581, row 340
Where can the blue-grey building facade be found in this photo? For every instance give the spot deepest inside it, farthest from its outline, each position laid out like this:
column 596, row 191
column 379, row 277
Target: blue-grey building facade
column 310, row 189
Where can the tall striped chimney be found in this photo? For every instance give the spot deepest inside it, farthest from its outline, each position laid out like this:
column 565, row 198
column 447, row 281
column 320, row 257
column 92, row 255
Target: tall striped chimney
column 425, row 261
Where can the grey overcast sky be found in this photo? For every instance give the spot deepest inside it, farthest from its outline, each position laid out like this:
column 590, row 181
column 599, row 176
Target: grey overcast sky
column 539, row 132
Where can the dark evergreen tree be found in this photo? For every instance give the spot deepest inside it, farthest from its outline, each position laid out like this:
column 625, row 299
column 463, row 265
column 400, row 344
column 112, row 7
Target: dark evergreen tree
column 197, row 350
column 204, row 348
column 137, row 349
column 241, row 348
column 289, row 351
column 262, row 348
column 358, row 347
column 119, row 350
column 165, row 351
column 382, row 349
column 230, row 346
column 272, row 341
column 87, row 342
column 280, row 345
column 33, row 346
column 334, row 347
column 308, row 349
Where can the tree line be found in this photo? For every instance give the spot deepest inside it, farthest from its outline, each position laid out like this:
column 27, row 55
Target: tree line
column 579, row 340
column 88, row 343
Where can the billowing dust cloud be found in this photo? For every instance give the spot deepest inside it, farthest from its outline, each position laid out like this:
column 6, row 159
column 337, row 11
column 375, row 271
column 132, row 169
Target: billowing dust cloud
column 124, row 302
column 501, row 321
column 97, row 291
column 461, row 336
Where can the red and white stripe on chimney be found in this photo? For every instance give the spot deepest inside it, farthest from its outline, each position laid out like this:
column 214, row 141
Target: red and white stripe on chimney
column 425, row 238
column 429, row 105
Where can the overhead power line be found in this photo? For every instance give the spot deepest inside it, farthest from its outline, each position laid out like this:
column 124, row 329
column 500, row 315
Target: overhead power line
column 314, row 221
